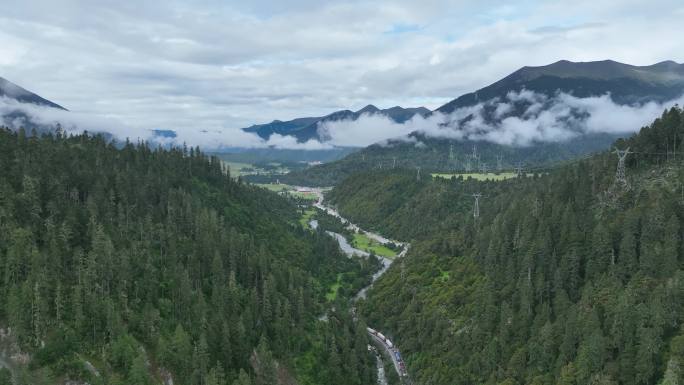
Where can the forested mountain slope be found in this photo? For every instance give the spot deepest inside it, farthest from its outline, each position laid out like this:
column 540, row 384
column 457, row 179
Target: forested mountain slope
column 144, row 262
column 565, row 278
column 445, row 155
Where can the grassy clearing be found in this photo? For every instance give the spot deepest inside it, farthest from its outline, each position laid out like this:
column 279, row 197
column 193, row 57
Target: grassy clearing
column 306, row 217
column 275, row 187
column 477, row 176
column 362, row 242
column 444, row 275
column 240, row 168
column 237, row 167
column 305, row 195
column 289, row 189
column 334, row 288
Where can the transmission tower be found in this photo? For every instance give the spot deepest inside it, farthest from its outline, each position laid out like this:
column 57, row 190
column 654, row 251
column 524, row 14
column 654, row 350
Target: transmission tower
column 484, row 168
column 536, row 208
column 452, row 163
column 476, row 208
column 418, row 174
column 468, row 166
column 519, row 170
column 620, row 176
column 499, row 163
column 394, row 162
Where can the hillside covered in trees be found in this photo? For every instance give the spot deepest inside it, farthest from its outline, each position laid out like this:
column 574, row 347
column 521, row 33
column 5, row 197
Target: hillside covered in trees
column 124, row 265
column 443, row 155
column 564, row 278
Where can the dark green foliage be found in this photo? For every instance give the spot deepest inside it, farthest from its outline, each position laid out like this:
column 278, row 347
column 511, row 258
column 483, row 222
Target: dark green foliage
column 5, row 377
column 556, row 282
column 135, row 259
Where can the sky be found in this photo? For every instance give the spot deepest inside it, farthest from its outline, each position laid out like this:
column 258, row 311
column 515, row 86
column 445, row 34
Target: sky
column 207, row 68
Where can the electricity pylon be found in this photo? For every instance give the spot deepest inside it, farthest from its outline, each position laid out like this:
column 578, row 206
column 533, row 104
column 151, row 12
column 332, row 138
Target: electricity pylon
column 499, row 163
column 620, row 175
column 519, row 170
column 476, row 208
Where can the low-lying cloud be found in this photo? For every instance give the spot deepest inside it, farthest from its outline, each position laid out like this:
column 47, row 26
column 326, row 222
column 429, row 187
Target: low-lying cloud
column 15, row 115
column 518, row 119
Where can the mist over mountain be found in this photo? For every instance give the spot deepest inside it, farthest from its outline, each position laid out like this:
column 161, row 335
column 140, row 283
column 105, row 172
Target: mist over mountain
column 551, row 103
column 305, row 129
column 15, row 92
column 626, row 84
column 536, row 115
column 14, row 103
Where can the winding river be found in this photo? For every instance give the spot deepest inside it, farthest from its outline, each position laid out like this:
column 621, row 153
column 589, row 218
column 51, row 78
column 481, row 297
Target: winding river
column 388, row 348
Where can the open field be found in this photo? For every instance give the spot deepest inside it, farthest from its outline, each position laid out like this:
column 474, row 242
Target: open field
column 362, row 242
column 240, row 168
column 477, row 176
column 275, row 187
column 305, row 195
column 236, row 167
column 284, row 188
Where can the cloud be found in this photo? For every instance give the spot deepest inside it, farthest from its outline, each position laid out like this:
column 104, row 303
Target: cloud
column 366, row 130
column 15, row 115
column 519, row 119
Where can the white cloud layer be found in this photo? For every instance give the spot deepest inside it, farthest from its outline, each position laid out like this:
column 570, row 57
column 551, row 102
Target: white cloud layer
column 74, row 122
column 544, row 119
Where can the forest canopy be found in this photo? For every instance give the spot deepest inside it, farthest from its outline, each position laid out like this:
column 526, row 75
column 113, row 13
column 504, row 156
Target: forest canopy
column 122, row 264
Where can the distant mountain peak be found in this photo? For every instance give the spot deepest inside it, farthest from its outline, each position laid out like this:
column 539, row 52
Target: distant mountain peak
column 369, row 109
column 22, row 95
column 627, row 84
column 308, row 128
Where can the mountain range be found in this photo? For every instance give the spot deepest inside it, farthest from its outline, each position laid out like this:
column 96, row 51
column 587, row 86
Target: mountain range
column 305, row 129
column 626, row 84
